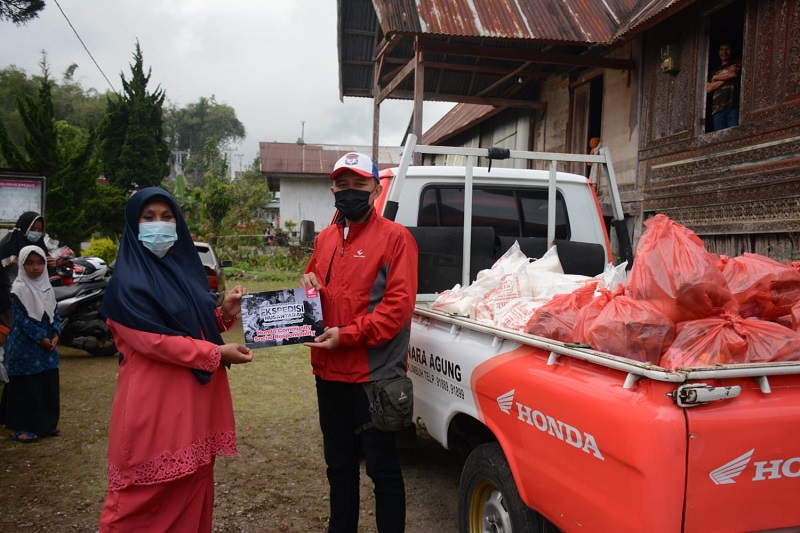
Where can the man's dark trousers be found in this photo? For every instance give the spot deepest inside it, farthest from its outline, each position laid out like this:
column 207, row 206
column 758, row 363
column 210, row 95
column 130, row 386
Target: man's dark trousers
column 344, row 407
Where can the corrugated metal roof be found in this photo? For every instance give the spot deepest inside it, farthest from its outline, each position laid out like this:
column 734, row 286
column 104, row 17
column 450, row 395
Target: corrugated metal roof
column 649, row 13
column 458, row 119
column 316, row 159
column 579, row 21
column 484, row 51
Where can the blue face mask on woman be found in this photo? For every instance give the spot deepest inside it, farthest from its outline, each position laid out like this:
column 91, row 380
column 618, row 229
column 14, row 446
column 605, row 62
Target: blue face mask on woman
column 34, row 236
column 158, row 237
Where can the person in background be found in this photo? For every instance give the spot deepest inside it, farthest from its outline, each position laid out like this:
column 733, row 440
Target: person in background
column 724, row 87
column 31, row 407
column 28, row 229
column 172, row 412
column 365, row 268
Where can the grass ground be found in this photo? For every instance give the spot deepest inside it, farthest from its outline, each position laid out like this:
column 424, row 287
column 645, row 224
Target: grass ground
column 276, row 484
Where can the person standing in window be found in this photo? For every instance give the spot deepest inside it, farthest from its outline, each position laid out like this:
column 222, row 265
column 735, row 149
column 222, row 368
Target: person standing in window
column 724, row 87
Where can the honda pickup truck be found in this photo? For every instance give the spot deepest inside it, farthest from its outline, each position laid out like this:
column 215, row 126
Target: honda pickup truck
column 561, row 437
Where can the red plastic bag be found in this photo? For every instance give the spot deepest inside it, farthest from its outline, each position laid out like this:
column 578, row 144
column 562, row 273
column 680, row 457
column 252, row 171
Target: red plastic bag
column 587, row 314
column 763, row 287
column 630, row 328
column 674, row 272
column 556, row 319
column 796, row 317
column 730, row 339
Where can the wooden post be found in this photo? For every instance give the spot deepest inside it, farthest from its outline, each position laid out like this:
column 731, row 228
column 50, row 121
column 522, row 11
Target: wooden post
column 419, row 95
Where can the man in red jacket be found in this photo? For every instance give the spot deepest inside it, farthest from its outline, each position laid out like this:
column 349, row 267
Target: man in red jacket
column 365, row 268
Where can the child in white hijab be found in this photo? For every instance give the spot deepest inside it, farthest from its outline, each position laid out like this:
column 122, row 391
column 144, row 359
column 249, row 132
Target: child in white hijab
column 31, row 407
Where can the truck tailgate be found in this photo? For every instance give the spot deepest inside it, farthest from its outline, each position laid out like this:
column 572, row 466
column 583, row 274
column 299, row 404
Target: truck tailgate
column 744, row 457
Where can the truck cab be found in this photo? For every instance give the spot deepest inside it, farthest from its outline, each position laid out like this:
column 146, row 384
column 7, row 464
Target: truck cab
column 508, row 205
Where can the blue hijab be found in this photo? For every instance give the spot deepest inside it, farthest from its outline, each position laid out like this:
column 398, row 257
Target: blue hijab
column 170, row 295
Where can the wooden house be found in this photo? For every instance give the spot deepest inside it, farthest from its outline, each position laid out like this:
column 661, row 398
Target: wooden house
column 541, row 75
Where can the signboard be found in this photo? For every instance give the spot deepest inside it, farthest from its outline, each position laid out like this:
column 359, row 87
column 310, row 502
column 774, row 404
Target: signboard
column 19, row 194
column 277, row 318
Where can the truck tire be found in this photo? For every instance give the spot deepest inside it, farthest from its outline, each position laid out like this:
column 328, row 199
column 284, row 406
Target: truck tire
column 488, row 500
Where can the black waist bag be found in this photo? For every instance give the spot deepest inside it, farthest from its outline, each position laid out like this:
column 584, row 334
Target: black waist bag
column 391, row 404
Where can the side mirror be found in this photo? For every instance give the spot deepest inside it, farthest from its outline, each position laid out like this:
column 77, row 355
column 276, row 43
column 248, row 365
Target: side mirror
column 307, row 231
column 227, row 263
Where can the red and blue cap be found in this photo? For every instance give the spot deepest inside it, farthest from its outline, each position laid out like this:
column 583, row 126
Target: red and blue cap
column 358, row 163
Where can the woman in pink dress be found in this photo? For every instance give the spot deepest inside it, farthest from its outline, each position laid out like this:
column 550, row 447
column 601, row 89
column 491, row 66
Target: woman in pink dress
column 172, row 412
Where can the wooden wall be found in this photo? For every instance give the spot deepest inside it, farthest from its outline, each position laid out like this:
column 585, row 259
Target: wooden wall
column 739, row 188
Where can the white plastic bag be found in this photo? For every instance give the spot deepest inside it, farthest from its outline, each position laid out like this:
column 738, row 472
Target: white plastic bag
column 461, row 301
column 516, row 314
column 510, row 262
column 549, row 262
column 512, row 286
column 612, row 276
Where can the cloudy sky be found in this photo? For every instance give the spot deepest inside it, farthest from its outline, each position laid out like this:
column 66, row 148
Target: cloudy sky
column 274, row 62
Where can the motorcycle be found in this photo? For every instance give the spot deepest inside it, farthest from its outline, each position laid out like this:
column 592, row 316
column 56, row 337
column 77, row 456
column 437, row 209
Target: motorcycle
column 79, row 286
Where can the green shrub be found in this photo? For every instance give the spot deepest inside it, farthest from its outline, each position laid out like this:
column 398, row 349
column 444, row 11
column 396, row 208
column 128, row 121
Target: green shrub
column 103, row 248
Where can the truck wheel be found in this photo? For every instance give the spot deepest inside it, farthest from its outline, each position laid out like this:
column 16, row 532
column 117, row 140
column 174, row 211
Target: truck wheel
column 488, row 501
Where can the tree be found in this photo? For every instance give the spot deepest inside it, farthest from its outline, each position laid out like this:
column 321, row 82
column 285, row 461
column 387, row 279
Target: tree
column 36, row 148
column 71, row 102
column 64, row 154
column 84, row 108
column 250, row 195
column 72, row 188
column 13, row 83
column 38, row 118
column 188, row 129
column 217, row 198
column 107, row 206
column 192, row 125
column 132, row 144
column 20, row 11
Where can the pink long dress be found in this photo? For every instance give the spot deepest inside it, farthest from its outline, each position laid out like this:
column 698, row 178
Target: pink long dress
column 166, row 430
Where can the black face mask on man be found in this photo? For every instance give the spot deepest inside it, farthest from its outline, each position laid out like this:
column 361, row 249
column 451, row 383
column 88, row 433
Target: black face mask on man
column 352, row 203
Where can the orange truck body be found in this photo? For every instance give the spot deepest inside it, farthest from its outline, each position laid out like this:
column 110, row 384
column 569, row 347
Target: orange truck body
column 590, row 454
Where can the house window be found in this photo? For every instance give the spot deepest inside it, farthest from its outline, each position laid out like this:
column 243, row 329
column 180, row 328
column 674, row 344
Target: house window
column 724, row 80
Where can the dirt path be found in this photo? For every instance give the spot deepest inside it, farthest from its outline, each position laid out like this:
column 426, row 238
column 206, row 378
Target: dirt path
column 277, row 484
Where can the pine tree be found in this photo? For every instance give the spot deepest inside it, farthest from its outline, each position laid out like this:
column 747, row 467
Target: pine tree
column 132, row 144
column 20, row 11
column 63, row 154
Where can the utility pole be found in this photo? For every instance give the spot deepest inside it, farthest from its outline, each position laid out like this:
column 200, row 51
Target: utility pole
column 302, row 132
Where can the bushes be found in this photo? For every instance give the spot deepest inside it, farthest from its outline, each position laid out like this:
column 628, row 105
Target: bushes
column 103, row 248
column 289, row 259
column 263, row 258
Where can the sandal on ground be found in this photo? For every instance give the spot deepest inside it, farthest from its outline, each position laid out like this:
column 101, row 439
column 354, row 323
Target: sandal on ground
column 24, row 436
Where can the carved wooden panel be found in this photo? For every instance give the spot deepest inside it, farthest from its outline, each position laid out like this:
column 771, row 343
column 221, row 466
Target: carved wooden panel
column 737, row 186
column 792, row 63
column 779, row 246
column 669, row 110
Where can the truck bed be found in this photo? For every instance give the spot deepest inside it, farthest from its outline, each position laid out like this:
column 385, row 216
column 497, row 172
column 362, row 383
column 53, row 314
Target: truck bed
column 598, row 442
column 423, row 311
